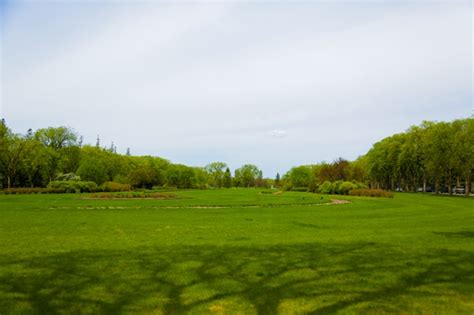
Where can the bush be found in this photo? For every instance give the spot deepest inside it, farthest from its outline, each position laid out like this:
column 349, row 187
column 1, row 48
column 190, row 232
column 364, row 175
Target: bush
column 68, row 176
column 346, row 187
column 326, row 188
column 114, row 187
column 371, row 193
column 339, row 187
column 73, row 186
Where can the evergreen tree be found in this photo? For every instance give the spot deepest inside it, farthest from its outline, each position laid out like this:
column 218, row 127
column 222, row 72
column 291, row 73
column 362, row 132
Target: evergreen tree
column 227, row 181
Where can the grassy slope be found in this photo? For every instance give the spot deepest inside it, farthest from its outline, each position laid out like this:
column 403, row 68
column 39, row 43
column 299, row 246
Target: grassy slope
column 413, row 253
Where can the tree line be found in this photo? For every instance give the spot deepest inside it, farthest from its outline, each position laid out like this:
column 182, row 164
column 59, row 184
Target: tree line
column 39, row 157
column 433, row 156
column 430, row 157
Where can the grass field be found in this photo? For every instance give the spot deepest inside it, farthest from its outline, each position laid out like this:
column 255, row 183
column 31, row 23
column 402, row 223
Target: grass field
column 236, row 251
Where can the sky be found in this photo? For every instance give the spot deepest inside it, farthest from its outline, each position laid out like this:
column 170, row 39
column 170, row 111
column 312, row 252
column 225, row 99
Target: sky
column 272, row 83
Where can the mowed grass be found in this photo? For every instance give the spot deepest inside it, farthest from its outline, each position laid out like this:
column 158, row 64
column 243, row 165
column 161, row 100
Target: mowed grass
column 236, row 251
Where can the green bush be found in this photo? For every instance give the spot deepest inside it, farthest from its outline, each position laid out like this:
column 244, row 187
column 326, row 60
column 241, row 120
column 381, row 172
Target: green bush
column 339, row 187
column 74, row 186
column 346, row 187
column 371, row 193
column 326, row 188
column 114, row 187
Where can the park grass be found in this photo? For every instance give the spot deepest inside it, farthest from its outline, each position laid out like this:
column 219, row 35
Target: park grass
column 237, row 251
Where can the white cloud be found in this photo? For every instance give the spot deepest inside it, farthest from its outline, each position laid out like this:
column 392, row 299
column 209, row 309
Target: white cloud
column 277, row 133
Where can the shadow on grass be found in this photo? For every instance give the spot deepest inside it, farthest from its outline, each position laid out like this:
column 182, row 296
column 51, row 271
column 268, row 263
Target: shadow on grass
column 304, row 278
column 464, row 234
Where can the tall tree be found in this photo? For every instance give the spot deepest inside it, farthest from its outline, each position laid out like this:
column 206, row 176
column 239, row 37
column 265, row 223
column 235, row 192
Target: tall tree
column 56, row 138
column 246, row 175
column 216, row 172
column 227, row 182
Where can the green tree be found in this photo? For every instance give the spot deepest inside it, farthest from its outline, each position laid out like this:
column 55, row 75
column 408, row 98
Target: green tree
column 142, row 177
column 246, row 175
column 216, row 172
column 15, row 147
column 299, row 176
column 56, row 138
column 227, row 181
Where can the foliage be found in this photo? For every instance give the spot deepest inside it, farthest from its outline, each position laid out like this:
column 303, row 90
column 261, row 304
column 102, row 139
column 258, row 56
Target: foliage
column 73, row 186
column 434, row 156
column 371, row 193
column 431, row 157
column 227, row 180
column 246, row 176
column 56, row 138
column 339, row 187
column 142, row 177
column 216, row 172
column 113, row 187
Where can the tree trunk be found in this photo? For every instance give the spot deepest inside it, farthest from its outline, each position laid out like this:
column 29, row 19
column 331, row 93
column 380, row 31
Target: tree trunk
column 8, row 181
column 424, row 184
column 436, row 185
column 467, row 189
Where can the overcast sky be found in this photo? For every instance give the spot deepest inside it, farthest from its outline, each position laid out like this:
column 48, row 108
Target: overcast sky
column 276, row 84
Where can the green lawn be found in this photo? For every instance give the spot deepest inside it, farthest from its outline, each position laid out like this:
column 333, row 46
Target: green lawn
column 236, row 251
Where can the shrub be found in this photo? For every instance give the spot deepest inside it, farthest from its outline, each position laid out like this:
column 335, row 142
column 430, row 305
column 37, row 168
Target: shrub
column 73, row 186
column 371, row 193
column 339, row 187
column 346, row 187
column 114, row 187
column 326, row 187
column 336, row 187
column 68, row 176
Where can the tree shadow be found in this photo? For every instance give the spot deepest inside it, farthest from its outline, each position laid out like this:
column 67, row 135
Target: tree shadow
column 464, row 234
column 312, row 278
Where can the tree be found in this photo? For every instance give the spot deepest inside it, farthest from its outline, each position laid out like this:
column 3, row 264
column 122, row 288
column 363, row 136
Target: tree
column 181, row 176
column 216, row 172
column 56, row 138
column 36, row 163
column 5, row 135
column 142, row 177
column 277, row 180
column 299, row 176
column 246, row 175
column 260, row 182
column 464, row 139
column 14, row 150
column 227, row 181
column 93, row 165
